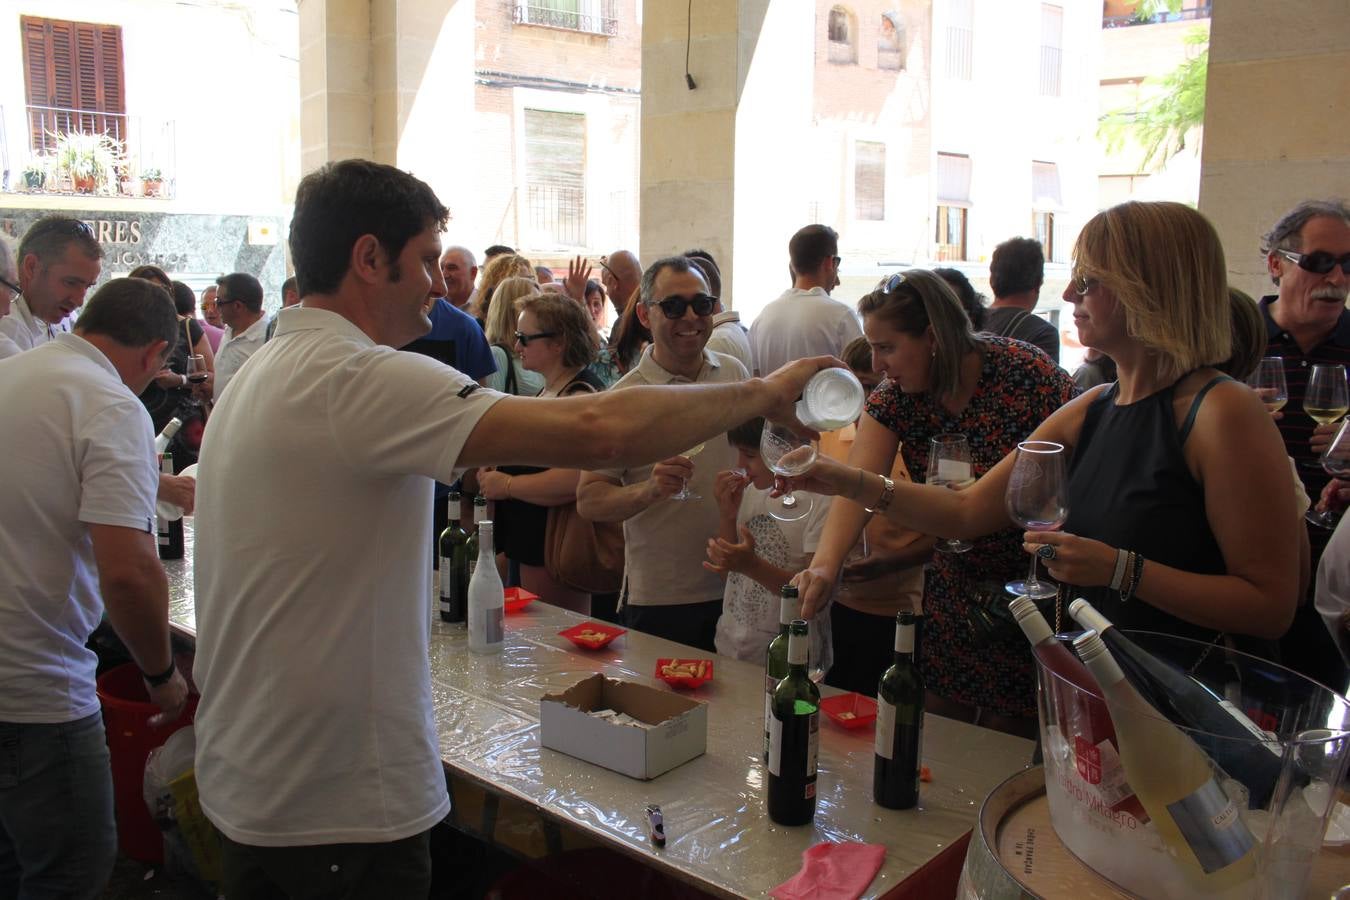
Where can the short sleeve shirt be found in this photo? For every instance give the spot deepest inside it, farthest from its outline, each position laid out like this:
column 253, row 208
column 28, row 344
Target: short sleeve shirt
column 235, row 350
column 665, row 544
column 457, row 340
column 82, row 443
column 801, row 324
column 25, row 329
column 312, row 586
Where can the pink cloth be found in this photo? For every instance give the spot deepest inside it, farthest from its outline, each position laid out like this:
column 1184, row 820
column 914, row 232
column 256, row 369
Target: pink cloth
column 833, row 872
column 213, row 334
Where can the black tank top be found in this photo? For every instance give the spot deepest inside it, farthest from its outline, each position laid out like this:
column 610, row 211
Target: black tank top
column 1130, row 487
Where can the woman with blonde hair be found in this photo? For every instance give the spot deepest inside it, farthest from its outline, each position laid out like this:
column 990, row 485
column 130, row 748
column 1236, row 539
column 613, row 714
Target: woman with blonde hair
column 502, row 312
column 1177, row 477
column 557, row 340
column 497, row 270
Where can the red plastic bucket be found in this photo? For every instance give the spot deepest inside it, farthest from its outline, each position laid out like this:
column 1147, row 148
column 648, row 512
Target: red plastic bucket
column 126, row 713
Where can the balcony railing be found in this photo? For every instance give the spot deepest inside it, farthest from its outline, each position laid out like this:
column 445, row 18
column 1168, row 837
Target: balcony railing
column 842, row 52
column 1126, row 21
column 555, row 216
column 590, row 16
column 1051, row 58
column 890, row 57
column 92, row 152
column 960, row 52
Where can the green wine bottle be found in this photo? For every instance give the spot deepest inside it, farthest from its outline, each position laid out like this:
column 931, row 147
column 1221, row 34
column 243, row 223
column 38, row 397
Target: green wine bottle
column 454, row 565
column 776, row 656
column 899, row 734
column 479, row 515
column 794, row 737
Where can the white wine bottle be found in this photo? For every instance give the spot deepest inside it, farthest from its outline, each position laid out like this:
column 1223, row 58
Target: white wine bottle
column 486, row 613
column 1175, row 782
column 898, row 746
column 776, row 654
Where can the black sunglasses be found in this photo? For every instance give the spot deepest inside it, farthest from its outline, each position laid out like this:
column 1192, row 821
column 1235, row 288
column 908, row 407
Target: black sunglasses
column 674, row 307
column 526, row 338
column 6, row 283
column 1319, row 262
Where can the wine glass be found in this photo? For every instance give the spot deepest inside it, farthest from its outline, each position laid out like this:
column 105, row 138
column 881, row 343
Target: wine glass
column 196, row 369
column 787, row 453
column 1328, row 396
column 685, row 493
column 1336, row 463
column 1037, row 501
column 949, row 466
column 1268, row 382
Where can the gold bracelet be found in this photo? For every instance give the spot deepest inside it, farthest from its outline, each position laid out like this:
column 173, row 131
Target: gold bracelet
column 887, row 495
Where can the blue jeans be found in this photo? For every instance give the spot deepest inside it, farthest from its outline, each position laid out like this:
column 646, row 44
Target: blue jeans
column 57, row 837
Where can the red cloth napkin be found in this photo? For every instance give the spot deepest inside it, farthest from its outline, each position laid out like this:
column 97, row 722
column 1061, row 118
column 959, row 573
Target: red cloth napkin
column 833, row 872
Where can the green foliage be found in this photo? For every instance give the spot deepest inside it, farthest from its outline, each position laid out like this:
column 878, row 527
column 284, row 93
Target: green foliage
column 1162, row 123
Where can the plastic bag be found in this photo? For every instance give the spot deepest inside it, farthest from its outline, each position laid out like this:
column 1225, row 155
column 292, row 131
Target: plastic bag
column 191, row 844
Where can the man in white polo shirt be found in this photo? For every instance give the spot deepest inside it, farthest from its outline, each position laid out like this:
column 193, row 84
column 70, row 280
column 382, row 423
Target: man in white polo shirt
column 666, row 590
column 77, row 536
column 239, row 297
column 59, row 261
column 317, row 755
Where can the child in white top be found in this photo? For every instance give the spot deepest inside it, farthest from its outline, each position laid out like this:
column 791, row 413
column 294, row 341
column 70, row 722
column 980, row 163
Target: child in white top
column 758, row 554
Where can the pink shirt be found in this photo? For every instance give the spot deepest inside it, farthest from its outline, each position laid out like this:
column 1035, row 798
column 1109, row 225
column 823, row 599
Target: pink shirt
column 213, row 334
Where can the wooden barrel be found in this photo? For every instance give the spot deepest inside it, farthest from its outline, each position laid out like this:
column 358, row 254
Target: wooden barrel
column 1015, row 854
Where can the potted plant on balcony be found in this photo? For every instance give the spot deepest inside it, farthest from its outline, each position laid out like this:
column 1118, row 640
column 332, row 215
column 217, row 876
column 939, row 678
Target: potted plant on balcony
column 35, row 174
column 90, row 161
column 152, row 182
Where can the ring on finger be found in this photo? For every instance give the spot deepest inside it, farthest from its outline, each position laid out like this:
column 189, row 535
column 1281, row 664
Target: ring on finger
column 1046, row 552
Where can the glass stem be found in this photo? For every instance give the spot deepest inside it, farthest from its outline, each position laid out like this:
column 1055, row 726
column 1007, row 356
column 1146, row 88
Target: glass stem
column 1031, row 576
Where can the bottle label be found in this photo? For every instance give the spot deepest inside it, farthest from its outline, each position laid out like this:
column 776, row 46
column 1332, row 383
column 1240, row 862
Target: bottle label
column 447, row 579
column 769, row 684
column 885, row 737
column 812, row 752
column 494, row 631
column 1212, row 827
column 775, row 745
column 1268, row 740
column 1099, row 765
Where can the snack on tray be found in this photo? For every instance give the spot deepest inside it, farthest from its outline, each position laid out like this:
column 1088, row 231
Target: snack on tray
column 686, row 669
column 588, row 634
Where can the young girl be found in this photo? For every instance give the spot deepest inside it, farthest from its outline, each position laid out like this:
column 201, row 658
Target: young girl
column 759, row 554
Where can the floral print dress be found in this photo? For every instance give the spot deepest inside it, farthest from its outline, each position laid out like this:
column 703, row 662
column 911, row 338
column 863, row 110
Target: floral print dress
column 964, row 659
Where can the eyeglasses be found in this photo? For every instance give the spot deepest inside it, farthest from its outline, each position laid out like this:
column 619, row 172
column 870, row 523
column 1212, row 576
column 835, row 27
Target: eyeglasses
column 220, row 302
column 11, row 286
column 674, row 307
column 526, row 338
column 1319, row 262
column 1082, row 284
column 837, row 260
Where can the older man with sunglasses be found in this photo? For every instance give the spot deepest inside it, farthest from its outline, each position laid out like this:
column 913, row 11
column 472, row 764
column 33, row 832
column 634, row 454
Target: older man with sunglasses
column 1308, row 258
column 666, row 590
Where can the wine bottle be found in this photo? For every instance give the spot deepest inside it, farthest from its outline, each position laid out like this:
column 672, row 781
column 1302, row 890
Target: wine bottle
column 454, row 565
column 486, row 614
column 479, row 516
column 776, row 656
column 1222, row 729
column 169, row 533
column 170, row 429
column 1088, row 731
column 794, row 736
column 1175, row 781
column 899, row 728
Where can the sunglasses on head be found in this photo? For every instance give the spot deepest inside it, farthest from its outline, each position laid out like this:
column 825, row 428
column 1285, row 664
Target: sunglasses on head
column 1319, row 262
column 674, row 307
column 526, row 338
column 893, row 282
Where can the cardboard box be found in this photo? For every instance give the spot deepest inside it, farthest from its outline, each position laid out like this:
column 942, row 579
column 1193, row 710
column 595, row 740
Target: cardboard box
column 678, row 732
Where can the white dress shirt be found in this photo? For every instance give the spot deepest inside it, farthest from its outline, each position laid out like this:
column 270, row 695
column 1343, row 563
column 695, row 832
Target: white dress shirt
column 235, row 349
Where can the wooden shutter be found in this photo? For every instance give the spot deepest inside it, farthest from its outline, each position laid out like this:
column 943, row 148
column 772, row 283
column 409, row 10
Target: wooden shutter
column 74, row 78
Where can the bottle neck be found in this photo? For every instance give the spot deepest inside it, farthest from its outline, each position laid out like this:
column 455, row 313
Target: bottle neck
column 479, row 514
column 799, row 646
column 789, row 607
column 485, row 548
column 904, row 642
column 452, row 509
column 1035, row 627
column 1099, row 661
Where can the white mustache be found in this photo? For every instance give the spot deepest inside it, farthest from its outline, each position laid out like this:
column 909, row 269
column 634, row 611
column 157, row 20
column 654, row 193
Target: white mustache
column 1330, row 292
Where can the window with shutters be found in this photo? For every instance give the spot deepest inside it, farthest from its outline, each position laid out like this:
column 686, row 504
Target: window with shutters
column 843, row 48
column 869, row 180
column 555, row 178
column 960, row 39
column 73, row 73
column 953, row 206
column 591, row 16
column 1052, row 52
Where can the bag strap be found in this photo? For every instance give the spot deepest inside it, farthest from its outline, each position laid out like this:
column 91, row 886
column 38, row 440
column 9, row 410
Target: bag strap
column 511, row 386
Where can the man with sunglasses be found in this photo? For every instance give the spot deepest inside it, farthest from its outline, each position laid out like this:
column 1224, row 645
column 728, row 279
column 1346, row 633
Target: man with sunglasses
column 1308, row 258
column 239, row 297
column 666, row 590
column 804, row 321
column 59, row 261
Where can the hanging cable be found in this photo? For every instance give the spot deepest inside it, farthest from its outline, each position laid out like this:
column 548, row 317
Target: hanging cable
column 688, row 39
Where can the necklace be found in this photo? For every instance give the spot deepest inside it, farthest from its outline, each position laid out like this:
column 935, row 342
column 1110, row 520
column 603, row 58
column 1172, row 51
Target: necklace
column 566, row 376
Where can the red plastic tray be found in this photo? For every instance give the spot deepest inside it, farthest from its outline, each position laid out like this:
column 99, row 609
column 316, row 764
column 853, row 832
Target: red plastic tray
column 592, row 635
column 850, row 710
column 703, row 672
column 514, row 599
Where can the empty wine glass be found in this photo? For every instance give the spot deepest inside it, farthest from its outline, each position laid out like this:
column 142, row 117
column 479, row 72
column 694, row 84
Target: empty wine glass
column 787, row 453
column 685, row 493
column 196, row 369
column 1327, row 397
column 1037, row 501
column 949, row 466
column 1336, row 463
column 1268, row 382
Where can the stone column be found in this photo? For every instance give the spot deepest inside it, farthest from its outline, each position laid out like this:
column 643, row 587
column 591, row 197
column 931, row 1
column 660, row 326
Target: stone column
column 1275, row 121
column 719, row 162
column 335, row 81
